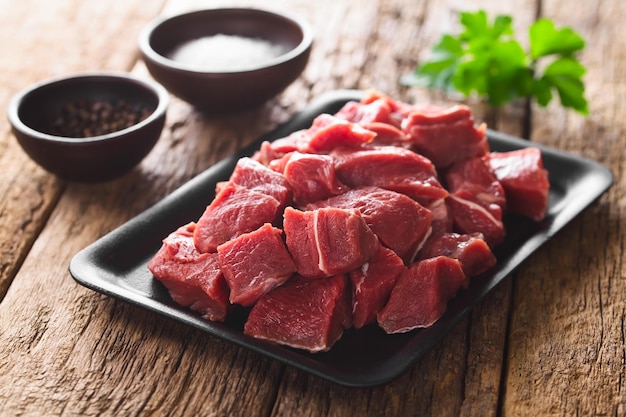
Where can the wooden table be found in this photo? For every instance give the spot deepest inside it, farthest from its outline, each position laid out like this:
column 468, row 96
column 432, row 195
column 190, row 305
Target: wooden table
column 550, row 340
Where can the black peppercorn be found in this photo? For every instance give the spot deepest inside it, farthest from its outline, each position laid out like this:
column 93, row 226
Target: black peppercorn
column 87, row 118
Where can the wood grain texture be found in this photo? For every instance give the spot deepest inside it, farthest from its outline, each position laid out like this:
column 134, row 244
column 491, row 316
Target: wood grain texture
column 548, row 341
column 566, row 354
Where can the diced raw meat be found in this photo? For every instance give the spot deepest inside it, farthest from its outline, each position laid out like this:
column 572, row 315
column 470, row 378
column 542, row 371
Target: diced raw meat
column 399, row 109
column 388, row 135
column 254, row 263
column 269, row 151
column 234, row 211
column 476, row 178
column 378, row 111
column 371, row 285
column 392, row 168
column 329, row 132
column 375, row 111
column 421, row 294
column 442, row 218
column 328, row 241
column 302, row 313
column 193, row 279
column 312, row 177
column 400, row 222
column 471, row 217
column 255, row 176
column 472, row 250
column 377, row 117
column 477, row 199
column 524, row 179
column 447, row 135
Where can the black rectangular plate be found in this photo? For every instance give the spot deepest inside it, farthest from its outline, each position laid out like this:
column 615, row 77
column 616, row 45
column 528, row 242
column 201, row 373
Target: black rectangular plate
column 115, row 265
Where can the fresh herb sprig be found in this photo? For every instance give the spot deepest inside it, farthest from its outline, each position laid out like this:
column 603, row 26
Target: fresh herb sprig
column 486, row 59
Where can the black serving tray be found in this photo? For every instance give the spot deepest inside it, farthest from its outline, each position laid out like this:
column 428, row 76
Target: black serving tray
column 115, row 265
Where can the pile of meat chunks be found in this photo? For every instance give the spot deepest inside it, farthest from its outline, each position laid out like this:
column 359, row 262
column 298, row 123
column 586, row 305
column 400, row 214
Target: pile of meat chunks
column 375, row 215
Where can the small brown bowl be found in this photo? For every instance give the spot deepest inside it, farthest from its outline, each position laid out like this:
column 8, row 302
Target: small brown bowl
column 45, row 120
column 236, row 88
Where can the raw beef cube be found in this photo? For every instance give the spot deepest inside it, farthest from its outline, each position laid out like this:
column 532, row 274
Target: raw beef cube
column 472, row 250
column 193, row 279
column 446, row 135
column 477, row 199
column 524, row 179
column 378, row 117
column 392, row 168
column 296, row 141
column 312, row 177
column 442, row 218
column 476, row 177
column 388, row 135
column 329, row 132
column 254, row 263
column 328, row 241
column 255, row 176
column 421, row 294
column 399, row 109
column 234, row 211
column 471, row 217
column 371, row 285
column 302, row 313
column 400, row 223
column 378, row 110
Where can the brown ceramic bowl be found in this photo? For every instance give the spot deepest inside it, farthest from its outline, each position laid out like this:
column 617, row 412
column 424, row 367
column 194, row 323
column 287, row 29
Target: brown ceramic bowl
column 236, row 88
column 40, row 121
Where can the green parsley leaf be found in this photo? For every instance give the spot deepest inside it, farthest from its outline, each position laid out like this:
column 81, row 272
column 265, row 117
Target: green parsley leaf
column 545, row 40
column 565, row 75
column 486, row 60
column 438, row 72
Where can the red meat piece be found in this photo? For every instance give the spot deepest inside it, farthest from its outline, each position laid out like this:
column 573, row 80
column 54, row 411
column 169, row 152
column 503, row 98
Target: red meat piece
column 328, row 241
column 471, row 217
column 378, row 116
column 445, row 135
column 329, row 132
column 421, row 294
column 399, row 109
column 472, row 250
column 254, row 263
column 269, row 151
column 193, row 279
column 477, row 199
column 392, row 168
column 311, row 177
column 400, row 223
column 442, row 218
column 376, row 111
column 371, row 285
column 388, row 135
column 524, row 179
column 254, row 176
column 234, row 211
column 475, row 177
column 302, row 313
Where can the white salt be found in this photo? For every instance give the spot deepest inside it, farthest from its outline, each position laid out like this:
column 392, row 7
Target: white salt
column 226, row 53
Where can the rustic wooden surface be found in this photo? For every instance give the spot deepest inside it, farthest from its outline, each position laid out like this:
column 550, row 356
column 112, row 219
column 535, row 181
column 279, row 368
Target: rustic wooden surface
column 549, row 341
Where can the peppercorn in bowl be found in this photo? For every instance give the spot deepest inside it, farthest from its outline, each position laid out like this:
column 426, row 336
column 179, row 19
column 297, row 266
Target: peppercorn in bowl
column 226, row 60
column 89, row 127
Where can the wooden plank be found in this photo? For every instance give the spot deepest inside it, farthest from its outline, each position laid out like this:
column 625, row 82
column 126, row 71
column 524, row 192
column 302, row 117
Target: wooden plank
column 43, row 40
column 566, row 348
